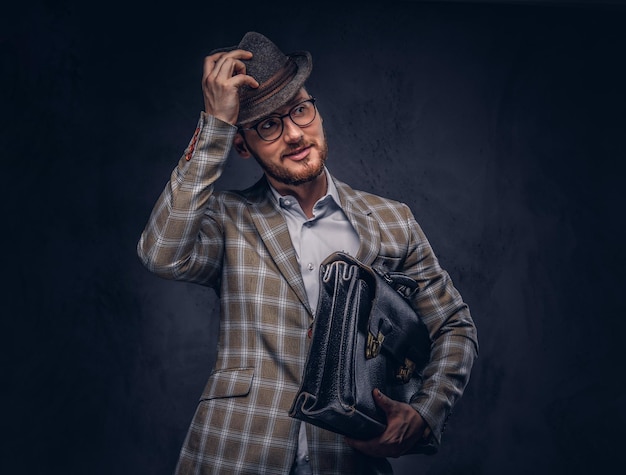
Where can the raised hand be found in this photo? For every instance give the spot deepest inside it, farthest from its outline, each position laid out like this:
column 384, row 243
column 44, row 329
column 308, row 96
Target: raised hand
column 224, row 73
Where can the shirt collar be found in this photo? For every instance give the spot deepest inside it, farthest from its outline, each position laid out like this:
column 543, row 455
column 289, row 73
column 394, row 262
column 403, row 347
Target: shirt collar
column 331, row 192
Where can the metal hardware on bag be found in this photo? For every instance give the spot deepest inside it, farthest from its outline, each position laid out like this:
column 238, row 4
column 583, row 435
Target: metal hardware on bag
column 373, row 345
column 386, row 277
column 404, row 372
column 406, row 292
column 399, row 283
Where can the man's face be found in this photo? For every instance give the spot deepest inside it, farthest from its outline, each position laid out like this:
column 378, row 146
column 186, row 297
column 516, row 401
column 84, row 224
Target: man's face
column 297, row 156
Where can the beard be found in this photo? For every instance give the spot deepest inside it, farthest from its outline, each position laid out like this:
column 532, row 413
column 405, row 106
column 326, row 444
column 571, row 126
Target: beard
column 310, row 168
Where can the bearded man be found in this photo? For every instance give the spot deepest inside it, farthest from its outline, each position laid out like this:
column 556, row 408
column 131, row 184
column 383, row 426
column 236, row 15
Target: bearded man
column 261, row 249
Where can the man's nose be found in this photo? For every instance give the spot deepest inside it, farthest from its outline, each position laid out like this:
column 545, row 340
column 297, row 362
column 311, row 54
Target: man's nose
column 292, row 132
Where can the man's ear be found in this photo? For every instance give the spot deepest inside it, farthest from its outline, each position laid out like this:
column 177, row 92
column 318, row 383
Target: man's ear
column 241, row 147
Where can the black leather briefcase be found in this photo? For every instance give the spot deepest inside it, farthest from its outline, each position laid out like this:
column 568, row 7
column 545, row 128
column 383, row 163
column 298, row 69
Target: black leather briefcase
column 365, row 336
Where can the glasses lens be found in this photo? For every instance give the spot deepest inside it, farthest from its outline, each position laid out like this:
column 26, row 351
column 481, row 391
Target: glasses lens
column 303, row 114
column 270, row 128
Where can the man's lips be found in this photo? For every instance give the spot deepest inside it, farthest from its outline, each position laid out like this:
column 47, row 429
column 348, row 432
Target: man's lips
column 299, row 154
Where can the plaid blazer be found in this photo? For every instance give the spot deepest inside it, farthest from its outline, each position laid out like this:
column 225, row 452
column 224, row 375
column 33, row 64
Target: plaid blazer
column 238, row 243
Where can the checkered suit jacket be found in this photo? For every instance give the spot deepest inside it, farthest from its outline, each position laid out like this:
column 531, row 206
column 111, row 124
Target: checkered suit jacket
column 239, row 244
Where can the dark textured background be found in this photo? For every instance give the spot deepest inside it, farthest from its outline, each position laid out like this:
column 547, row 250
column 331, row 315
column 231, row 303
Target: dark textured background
column 502, row 126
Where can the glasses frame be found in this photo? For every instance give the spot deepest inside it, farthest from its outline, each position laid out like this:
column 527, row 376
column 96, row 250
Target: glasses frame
column 311, row 99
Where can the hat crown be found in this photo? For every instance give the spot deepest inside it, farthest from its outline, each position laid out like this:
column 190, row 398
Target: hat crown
column 267, row 58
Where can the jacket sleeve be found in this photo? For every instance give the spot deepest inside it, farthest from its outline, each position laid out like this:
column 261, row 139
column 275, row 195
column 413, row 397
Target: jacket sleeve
column 183, row 240
column 451, row 328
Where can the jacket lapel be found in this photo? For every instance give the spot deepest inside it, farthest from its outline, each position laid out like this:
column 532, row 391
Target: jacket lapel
column 274, row 233
column 360, row 217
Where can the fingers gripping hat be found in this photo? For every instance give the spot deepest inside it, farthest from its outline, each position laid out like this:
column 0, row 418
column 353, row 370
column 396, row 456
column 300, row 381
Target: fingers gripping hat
column 279, row 76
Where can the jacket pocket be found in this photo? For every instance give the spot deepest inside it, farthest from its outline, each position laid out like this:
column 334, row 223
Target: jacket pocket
column 231, row 382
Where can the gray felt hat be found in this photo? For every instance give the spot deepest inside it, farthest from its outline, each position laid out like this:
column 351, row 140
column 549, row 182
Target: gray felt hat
column 280, row 76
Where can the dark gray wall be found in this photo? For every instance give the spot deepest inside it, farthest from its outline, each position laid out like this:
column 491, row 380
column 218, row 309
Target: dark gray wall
column 502, row 126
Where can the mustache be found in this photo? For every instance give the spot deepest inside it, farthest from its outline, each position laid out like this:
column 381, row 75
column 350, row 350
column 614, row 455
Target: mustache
column 298, row 145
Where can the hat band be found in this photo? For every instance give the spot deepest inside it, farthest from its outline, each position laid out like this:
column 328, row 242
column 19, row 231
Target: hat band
column 271, row 86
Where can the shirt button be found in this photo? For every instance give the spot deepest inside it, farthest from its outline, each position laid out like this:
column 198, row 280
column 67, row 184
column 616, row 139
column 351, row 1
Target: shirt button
column 310, row 266
column 287, row 202
column 306, row 458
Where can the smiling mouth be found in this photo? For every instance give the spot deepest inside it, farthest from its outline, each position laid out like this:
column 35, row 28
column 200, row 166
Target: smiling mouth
column 298, row 154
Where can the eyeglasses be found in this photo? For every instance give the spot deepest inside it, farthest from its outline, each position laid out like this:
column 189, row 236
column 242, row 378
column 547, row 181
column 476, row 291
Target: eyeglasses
column 271, row 128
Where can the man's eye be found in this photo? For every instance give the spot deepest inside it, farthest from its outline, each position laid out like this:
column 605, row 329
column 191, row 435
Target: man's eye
column 299, row 110
column 269, row 124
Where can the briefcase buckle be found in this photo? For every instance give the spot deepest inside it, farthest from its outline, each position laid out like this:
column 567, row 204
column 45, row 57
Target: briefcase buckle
column 404, row 372
column 373, row 345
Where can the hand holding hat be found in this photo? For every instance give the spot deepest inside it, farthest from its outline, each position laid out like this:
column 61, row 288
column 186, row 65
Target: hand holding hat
column 224, row 74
